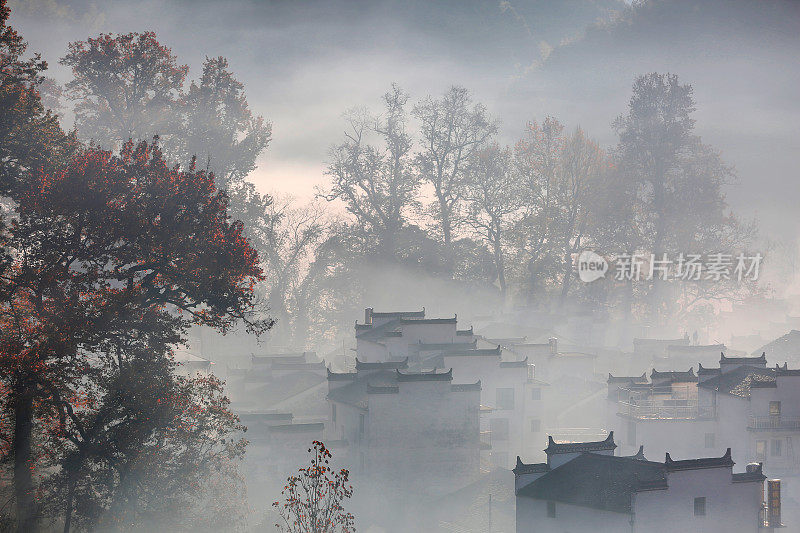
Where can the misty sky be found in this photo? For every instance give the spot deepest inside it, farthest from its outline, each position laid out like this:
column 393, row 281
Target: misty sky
column 304, row 63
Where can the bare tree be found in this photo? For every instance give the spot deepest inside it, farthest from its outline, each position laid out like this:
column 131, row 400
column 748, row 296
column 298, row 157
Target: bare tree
column 452, row 128
column 376, row 182
column 493, row 196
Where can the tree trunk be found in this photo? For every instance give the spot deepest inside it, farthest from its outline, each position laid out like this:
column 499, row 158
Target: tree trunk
column 70, row 497
column 23, row 458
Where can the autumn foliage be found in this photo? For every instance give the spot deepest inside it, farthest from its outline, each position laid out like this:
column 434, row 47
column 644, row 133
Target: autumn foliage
column 313, row 498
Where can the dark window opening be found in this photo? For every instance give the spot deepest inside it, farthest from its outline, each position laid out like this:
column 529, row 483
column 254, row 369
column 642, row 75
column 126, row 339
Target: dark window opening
column 700, row 506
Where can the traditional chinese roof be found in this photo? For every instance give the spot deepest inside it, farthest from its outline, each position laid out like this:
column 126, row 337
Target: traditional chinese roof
column 597, row 481
column 399, row 314
column 762, row 359
column 465, row 387
column 445, row 346
column 477, row 352
column 533, row 468
column 737, row 382
column 390, row 365
column 674, row 377
column 514, row 364
column 705, row 371
column 507, row 340
column 786, row 371
column 756, row 474
column 697, row 464
column 554, row 447
column 374, row 333
column 341, row 376
column 464, row 331
column 638, row 455
column 628, row 379
column 453, row 320
column 426, row 376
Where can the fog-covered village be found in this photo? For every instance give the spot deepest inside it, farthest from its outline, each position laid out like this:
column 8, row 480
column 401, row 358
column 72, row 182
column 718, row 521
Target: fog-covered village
column 387, row 266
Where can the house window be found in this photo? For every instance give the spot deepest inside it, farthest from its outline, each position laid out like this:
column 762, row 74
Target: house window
column 499, row 428
column 505, row 398
column 333, row 412
column 774, row 408
column 710, row 440
column 700, row 506
column 551, row 509
column 536, row 426
column 761, row 450
column 536, row 394
column 775, row 448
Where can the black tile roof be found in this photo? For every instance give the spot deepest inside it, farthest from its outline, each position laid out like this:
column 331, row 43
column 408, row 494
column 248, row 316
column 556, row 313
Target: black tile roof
column 627, row 379
column 597, row 481
column 737, row 382
column 554, row 447
column 384, row 365
column 705, row 371
column 341, row 376
column 399, row 314
column 425, row 376
column 756, row 474
column 374, row 333
column 453, row 320
column 673, row 376
column 477, row 352
column 533, row 468
column 465, row 387
column 698, row 464
column 514, row 364
column 743, row 360
column 444, row 346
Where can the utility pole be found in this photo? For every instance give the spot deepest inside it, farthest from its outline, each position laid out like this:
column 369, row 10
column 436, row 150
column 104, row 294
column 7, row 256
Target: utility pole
column 490, row 512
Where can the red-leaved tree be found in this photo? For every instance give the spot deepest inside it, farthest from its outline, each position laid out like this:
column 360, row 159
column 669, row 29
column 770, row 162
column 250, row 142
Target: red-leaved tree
column 112, row 252
column 313, row 498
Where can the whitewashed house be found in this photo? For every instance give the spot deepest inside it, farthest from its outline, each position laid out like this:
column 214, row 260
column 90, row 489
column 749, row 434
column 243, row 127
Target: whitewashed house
column 585, row 487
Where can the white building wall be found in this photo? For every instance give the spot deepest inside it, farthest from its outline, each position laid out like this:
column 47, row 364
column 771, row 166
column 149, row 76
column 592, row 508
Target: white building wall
column 730, row 507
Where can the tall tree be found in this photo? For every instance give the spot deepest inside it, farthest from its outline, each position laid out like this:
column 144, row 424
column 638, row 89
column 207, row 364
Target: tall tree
column 30, row 135
column 127, row 87
column 106, row 239
column 377, row 183
column 581, row 166
column 452, row 128
column 537, row 160
column 493, row 195
column 676, row 178
column 217, row 126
